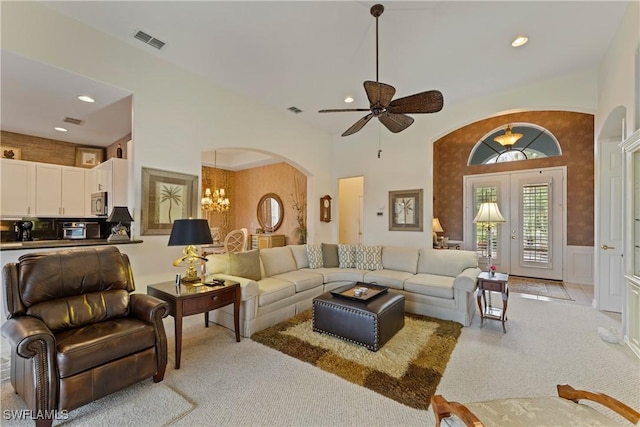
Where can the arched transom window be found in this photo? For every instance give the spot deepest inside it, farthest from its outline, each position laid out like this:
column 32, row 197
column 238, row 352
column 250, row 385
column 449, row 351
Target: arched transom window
column 526, row 141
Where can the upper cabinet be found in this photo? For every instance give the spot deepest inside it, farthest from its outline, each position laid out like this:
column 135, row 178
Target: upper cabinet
column 60, row 191
column 17, row 179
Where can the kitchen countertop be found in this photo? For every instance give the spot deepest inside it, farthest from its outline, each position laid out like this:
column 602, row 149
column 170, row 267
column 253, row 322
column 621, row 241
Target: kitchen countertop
column 42, row 244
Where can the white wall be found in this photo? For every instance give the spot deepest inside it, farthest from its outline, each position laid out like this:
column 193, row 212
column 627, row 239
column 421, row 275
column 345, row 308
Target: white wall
column 407, row 158
column 177, row 115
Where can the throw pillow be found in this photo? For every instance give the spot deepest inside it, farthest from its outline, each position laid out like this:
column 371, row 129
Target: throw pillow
column 314, row 253
column 368, row 257
column 330, row 255
column 346, row 256
column 245, row 264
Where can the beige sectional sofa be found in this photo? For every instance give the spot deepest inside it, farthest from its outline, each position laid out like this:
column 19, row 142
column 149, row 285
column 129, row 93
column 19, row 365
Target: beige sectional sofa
column 277, row 283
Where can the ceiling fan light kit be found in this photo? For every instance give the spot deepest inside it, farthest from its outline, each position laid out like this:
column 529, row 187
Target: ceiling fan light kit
column 391, row 113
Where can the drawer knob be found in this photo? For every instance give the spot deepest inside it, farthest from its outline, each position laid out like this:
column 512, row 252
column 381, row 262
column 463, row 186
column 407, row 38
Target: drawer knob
column 215, row 297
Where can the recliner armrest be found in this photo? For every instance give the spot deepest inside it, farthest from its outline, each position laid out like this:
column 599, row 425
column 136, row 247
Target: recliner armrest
column 148, row 308
column 467, row 280
column 22, row 332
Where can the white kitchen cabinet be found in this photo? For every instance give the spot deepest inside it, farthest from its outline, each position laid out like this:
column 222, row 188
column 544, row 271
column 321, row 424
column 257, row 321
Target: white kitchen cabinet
column 60, row 191
column 17, row 179
column 111, row 176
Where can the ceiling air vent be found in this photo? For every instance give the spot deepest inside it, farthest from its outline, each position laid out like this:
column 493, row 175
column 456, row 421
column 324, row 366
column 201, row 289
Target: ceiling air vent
column 295, row 110
column 148, row 39
column 72, row 121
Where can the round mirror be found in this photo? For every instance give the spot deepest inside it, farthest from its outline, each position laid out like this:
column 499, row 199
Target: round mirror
column 270, row 212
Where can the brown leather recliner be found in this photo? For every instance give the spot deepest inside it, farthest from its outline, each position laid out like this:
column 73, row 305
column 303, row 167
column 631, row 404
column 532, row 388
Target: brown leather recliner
column 77, row 331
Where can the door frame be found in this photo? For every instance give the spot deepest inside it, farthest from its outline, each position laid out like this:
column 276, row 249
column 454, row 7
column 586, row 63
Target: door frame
column 502, row 179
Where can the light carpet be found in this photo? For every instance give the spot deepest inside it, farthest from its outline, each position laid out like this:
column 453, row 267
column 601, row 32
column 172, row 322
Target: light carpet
column 407, row 368
column 540, row 287
column 248, row 384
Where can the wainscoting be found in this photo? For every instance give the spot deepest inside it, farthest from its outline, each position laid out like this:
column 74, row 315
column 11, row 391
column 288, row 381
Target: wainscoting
column 578, row 266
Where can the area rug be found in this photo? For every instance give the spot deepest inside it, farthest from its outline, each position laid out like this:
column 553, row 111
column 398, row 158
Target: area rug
column 144, row 403
column 406, row 369
column 540, row 287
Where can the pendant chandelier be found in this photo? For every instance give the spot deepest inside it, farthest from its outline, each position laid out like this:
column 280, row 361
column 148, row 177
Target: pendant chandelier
column 216, row 200
column 509, row 138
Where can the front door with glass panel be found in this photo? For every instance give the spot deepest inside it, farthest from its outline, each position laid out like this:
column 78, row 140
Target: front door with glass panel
column 531, row 241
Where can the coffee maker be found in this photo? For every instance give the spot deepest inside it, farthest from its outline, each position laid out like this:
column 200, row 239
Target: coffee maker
column 23, row 230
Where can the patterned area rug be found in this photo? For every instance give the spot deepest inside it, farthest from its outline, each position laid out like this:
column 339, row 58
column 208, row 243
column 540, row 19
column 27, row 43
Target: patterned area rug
column 541, row 287
column 406, row 369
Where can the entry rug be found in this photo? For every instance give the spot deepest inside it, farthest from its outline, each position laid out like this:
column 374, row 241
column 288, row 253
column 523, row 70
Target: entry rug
column 541, row 287
column 406, row 369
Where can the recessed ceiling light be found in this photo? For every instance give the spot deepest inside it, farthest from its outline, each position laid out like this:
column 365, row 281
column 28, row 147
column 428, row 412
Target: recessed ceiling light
column 348, row 100
column 519, row 41
column 86, row 98
column 59, row 129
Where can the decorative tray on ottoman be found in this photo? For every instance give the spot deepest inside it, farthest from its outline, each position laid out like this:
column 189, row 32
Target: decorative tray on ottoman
column 360, row 291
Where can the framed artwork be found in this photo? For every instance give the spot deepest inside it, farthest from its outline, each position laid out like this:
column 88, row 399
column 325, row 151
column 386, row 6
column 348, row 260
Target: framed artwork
column 88, row 157
column 11, row 152
column 405, row 210
column 167, row 196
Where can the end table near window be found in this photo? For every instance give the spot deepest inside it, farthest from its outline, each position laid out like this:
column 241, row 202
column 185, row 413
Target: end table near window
column 496, row 282
column 185, row 300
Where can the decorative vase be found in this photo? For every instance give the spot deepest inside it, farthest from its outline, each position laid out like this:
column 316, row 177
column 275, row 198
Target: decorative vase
column 492, row 273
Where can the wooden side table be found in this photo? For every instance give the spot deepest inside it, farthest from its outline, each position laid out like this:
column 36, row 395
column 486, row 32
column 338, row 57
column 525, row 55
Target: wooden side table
column 186, row 300
column 495, row 283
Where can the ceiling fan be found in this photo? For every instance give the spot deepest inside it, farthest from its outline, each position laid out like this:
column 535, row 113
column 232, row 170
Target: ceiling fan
column 392, row 114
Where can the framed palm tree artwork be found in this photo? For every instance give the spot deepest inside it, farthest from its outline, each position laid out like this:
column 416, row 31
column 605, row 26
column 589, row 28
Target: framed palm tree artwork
column 405, row 210
column 167, row 196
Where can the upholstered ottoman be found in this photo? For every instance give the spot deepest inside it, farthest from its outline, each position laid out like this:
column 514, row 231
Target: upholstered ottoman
column 368, row 323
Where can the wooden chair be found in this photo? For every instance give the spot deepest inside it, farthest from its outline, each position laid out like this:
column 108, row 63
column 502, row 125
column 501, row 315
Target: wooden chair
column 539, row 411
column 236, row 240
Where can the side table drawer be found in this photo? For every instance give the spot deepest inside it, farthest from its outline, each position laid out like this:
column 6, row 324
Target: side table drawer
column 205, row 303
column 491, row 286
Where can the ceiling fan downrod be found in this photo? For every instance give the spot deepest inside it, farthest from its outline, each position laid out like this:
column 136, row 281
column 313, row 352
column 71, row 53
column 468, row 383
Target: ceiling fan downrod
column 376, row 11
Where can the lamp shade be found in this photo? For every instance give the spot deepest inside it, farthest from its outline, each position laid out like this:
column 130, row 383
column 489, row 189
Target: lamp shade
column 509, row 138
column 190, row 232
column 489, row 212
column 120, row 214
column 437, row 227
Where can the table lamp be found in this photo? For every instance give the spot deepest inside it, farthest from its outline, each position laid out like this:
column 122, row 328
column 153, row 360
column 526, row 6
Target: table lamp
column 437, row 228
column 190, row 233
column 119, row 214
column 489, row 214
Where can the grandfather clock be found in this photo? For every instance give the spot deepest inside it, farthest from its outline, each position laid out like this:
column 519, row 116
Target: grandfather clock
column 325, row 208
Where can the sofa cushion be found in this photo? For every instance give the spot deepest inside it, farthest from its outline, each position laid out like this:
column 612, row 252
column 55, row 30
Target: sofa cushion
column 300, row 255
column 273, row 290
column 330, row 255
column 431, row 285
column 446, row 262
column 340, row 274
column 368, row 257
column 245, row 264
column 391, row 278
column 346, row 256
column 218, row 264
column 302, row 279
column 400, row 259
column 277, row 260
column 314, row 254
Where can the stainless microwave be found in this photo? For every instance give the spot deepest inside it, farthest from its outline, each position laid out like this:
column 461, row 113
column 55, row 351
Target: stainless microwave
column 80, row 230
column 99, row 203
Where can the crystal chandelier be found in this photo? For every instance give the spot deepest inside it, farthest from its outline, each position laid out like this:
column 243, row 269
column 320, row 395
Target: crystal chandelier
column 216, row 200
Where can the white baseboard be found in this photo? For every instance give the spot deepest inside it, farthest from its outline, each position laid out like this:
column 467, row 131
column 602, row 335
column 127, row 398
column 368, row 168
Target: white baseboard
column 578, row 267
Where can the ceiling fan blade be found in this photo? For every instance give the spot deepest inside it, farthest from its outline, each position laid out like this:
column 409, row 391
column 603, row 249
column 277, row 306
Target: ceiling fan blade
column 379, row 94
column 425, row 102
column 395, row 122
column 358, row 125
column 339, row 110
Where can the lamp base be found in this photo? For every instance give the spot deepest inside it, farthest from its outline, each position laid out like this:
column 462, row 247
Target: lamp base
column 191, row 277
column 118, row 238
